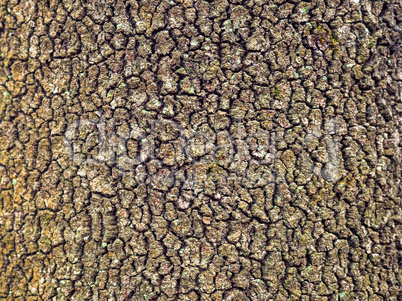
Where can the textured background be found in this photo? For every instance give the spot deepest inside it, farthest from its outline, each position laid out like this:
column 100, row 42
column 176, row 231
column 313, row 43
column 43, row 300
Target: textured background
column 200, row 150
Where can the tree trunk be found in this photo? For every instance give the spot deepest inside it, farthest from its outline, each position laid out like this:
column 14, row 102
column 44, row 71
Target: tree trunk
column 200, row 150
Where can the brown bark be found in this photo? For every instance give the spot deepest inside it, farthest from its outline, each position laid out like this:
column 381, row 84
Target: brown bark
column 200, row 150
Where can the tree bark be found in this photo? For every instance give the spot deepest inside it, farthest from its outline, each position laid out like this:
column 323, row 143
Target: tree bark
column 200, row 150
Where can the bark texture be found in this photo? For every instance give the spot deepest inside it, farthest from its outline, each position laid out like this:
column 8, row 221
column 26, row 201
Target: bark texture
column 200, row 150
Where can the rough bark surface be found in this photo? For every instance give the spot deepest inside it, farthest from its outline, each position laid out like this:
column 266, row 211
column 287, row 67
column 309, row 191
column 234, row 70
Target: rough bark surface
column 200, row 150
